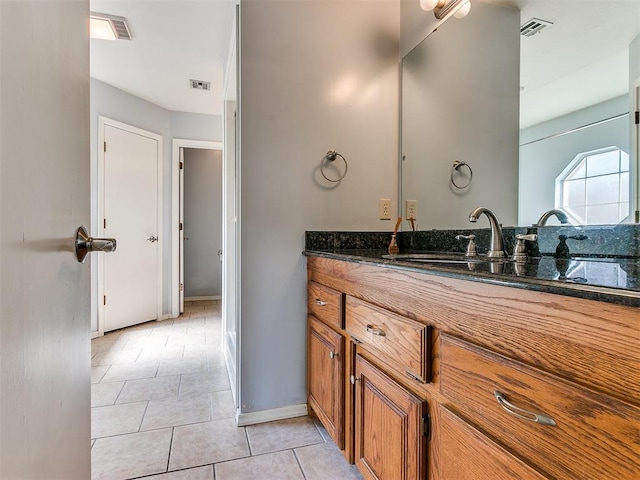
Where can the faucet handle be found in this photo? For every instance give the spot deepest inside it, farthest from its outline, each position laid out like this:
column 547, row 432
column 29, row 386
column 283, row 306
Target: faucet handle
column 471, row 246
column 520, row 252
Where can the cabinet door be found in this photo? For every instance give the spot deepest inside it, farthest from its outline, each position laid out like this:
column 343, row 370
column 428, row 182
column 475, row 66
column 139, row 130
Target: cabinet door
column 326, row 377
column 390, row 443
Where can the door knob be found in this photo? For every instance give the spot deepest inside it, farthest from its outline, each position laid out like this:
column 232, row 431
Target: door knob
column 85, row 244
column 152, row 238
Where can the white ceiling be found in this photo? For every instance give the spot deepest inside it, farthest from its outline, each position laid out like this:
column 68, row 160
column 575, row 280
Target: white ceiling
column 172, row 42
column 580, row 60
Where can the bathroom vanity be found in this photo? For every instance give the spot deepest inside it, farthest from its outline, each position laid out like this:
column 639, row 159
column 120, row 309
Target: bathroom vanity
column 452, row 371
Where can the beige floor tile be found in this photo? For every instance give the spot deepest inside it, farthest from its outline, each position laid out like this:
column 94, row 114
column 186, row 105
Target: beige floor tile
column 116, row 419
column 179, row 366
column 130, row 456
column 279, row 465
column 103, row 394
column 203, row 328
column 115, row 357
column 325, row 462
column 130, row 371
column 200, row 350
column 149, row 341
column 107, row 343
column 98, row 372
column 149, row 354
column 199, row 473
column 212, row 381
column 149, row 389
column 169, row 330
column 222, row 405
column 171, row 412
column 186, row 339
column 283, row 434
column 205, row 443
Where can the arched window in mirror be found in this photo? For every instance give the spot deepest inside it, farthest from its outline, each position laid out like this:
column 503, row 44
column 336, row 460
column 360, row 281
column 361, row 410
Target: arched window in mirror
column 594, row 188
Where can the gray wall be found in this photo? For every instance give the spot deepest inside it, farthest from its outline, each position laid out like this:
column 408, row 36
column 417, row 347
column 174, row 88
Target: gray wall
column 118, row 105
column 315, row 76
column 544, row 159
column 461, row 103
column 202, row 222
column 44, row 192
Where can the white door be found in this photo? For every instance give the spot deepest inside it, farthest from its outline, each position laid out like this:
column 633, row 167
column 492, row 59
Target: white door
column 44, row 198
column 131, row 275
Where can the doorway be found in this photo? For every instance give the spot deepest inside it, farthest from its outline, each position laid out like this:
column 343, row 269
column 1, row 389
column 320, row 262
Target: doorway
column 201, row 222
column 206, row 160
column 129, row 210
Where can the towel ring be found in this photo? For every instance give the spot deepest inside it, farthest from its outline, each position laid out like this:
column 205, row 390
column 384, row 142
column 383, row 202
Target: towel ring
column 330, row 157
column 456, row 168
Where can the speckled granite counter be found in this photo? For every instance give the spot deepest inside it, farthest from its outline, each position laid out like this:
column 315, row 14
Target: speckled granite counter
column 615, row 279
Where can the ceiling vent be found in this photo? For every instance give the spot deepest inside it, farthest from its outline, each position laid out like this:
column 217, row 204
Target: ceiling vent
column 200, row 84
column 108, row 27
column 533, row 26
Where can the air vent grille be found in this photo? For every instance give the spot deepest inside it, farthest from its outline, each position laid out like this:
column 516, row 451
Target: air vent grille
column 121, row 29
column 200, row 84
column 534, row 26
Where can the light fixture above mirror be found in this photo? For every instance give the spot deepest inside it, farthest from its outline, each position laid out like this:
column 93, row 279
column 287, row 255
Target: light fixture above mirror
column 442, row 8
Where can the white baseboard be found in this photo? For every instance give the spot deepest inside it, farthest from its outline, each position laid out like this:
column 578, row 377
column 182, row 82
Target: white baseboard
column 95, row 335
column 263, row 416
column 205, row 298
column 167, row 316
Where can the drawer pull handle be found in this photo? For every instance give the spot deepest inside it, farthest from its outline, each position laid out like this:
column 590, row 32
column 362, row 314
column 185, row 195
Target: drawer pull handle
column 321, row 303
column 541, row 418
column 373, row 330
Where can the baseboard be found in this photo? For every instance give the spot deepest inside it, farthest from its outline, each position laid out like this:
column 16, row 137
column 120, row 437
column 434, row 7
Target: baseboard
column 166, row 316
column 203, row 298
column 263, row 416
column 95, row 335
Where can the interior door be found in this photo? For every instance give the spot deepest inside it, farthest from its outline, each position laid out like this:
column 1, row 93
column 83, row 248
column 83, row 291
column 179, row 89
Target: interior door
column 131, row 275
column 181, row 231
column 44, row 198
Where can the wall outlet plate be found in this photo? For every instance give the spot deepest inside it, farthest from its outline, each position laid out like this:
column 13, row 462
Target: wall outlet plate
column 411, row 209
column 384, row 209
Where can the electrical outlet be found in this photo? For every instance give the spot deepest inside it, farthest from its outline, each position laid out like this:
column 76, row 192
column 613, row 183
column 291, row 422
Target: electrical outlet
column 412, row 209
column 384, row 209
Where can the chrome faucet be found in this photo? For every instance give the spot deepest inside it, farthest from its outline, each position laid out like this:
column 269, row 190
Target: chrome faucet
column 550, row 213
column 497, row 242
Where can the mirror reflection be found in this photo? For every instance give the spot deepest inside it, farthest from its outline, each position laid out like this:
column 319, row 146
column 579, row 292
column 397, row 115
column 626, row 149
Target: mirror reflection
column 534, row 97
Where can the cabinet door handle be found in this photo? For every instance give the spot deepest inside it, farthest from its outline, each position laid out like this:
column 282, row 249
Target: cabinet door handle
column 373, row 330
column 332, row 355
column 542, row 418
column 354, row 379
column 321, row 303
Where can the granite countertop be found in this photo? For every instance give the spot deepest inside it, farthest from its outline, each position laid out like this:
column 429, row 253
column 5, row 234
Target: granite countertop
column 608, row 279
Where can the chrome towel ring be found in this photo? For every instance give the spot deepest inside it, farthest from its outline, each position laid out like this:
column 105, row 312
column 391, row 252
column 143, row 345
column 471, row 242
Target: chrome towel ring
column 328, row 159
column 456, row 168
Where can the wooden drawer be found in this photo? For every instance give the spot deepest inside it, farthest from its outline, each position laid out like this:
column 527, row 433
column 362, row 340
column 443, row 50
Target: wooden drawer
column 399, row 342
column 466, row 453
column 594, row 437
column 325, row 304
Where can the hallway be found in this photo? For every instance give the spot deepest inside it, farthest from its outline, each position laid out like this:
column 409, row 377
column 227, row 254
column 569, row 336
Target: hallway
column 161, row 402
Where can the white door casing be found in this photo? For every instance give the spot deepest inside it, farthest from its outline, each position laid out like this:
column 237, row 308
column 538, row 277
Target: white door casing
column 129, row 210
column 177, row 241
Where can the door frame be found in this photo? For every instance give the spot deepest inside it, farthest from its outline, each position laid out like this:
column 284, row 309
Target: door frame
column 177, row 275
column 102, row 123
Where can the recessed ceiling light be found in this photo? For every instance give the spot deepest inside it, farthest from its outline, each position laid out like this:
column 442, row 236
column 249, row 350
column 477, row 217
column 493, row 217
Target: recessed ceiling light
column 108, row 27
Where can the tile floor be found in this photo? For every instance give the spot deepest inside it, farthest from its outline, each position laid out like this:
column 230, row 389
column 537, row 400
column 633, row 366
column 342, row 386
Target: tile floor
column 162, row 409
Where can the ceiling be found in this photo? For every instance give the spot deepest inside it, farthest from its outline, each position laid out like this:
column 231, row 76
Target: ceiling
column 582, row 59
column 172, row 42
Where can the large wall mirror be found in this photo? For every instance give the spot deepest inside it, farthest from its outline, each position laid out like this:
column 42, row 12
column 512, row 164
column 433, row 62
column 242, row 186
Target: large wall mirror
column 542, row 120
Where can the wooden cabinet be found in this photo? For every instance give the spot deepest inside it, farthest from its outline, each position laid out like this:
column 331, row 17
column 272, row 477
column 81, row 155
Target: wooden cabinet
column 465, row 453
column 390, row 441
column 325, row 353
column 482, row 361
column 326, row 359
column 542, row 418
